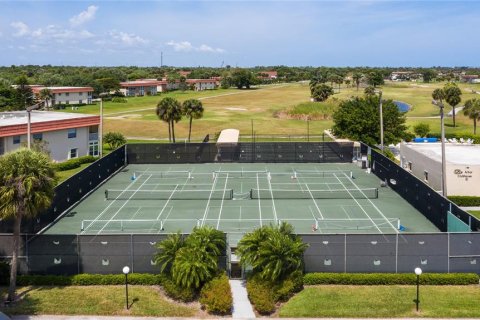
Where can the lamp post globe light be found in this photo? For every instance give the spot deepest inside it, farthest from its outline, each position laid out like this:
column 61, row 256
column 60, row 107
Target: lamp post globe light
column 418, row 272
column 126, row 271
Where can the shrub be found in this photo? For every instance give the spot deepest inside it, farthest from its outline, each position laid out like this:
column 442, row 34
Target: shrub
column 74, row 163
column 421, row 129
column 261, row 296
column 114, row 139
column 119, row 100
column 465, row 201
column 475, row 138
column 86, row 279
column 216, row 296
column 390, row 278
column 177, row 292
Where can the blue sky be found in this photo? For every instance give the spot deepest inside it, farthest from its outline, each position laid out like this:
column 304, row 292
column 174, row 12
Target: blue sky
column 240, row 33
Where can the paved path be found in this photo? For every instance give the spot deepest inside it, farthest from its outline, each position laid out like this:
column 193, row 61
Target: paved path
column 470, row 208
column 242, row 309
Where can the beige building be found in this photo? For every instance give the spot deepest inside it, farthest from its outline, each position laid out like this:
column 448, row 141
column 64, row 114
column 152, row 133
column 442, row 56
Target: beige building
column 66, row 135
column 424, row 160
column 67, row 95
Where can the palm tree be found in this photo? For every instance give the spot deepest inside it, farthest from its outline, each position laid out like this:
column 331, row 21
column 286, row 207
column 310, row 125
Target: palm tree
column 357, row 77
column 27, row 181
column 168, row 251
column 452, row 96
column 46, row 95
column 170, row 111
column 280, row 256
column 472, row 110
column 193, row 267
column 207, row 239
column 273, row 252
column 192, row 108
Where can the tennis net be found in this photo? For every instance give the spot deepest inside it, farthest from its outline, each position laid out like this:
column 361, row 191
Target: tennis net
column 322, row 174
column 367, row 193
column 218, row 194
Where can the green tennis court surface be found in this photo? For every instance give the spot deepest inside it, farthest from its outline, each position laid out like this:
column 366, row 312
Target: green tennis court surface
column 236, row 198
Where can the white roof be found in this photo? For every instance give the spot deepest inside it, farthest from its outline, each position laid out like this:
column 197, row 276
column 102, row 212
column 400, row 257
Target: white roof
column 228, row 136
column 463, row 154
column 20, row 117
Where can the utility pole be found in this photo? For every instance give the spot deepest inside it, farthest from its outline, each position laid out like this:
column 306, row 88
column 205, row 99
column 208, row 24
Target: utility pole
column 161, row 59
column 381, row 120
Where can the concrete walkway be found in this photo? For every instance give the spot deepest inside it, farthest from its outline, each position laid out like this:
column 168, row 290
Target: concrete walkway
column 242, row 309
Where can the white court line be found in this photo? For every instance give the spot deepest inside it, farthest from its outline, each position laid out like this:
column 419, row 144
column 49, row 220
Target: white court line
column 273, row 201
column 343, row 208
column 314, row 218
column 111, row 203
column 315, row 202
column 166, row 218
column 259, row 203
column 223, row 199
column 209, row 198
column 166, row 202
column 105, row 225
column 376, row 208
column 138, row 210
column 361, row 207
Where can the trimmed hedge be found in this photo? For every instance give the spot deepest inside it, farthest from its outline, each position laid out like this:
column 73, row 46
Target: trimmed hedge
column 265, row 294
column 90, row 279
column 216, row 296
column 390, row 278
column 261, row 296
column 74, row 163
column 177, row 292
column 465, row 201
column 465, row 135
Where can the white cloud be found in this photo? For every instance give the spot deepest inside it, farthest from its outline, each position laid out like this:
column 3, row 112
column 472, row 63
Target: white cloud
column 58, row 33
column 186, row 46
column 84, row 16
column 206, row 48
column 127, row 39
column 21, row 29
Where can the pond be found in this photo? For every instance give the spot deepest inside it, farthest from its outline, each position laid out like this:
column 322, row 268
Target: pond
column 402, row 106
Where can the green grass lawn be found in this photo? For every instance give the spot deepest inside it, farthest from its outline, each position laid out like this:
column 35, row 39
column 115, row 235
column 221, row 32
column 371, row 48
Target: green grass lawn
column 64, row 175
column 96, row 300
column 475, row 213
column 384, row 301
column 233, row 108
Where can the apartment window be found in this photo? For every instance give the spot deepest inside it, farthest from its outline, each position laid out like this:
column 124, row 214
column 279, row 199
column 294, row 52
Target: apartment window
column 38, row 136
column 80, row 101
column 67, row 102
column 73, row 153
column 16, row 139
column 67, row 94
column 59, row 94
column 93, row 148
column 72, row 133
column 425, row 175
column 80, row 93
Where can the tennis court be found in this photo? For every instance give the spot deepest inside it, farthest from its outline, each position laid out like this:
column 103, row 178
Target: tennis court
column 236, row 198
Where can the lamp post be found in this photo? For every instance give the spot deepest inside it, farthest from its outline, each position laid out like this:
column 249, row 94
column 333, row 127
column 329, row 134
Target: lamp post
column 29, row 122
column 418, row 272
column 126, row 271
column 100, row 137
column 439, row 104
column 380, row 107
